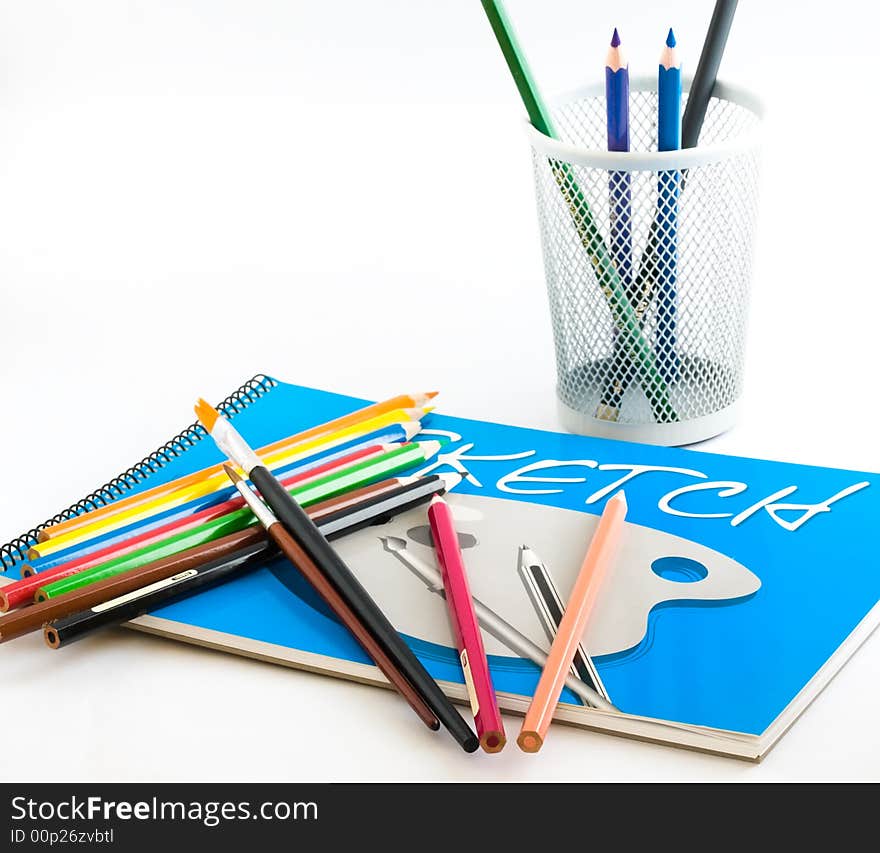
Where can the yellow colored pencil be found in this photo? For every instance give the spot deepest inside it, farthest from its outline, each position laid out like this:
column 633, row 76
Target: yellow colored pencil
column 215, row 482
column 402, row 401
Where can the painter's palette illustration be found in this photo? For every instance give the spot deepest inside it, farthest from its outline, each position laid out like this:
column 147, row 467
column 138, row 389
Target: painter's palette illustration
column 652, row 568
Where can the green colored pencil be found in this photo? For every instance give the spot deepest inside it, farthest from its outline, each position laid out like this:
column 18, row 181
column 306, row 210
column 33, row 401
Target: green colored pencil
column 346, row 480
column 625, row 317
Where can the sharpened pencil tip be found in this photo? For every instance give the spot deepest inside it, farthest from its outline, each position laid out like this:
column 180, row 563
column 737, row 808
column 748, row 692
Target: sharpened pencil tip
column 231, row 473
column 431, row 394
column 429, row 448
column 206, row 414
column 615, row 39
column 670, row 39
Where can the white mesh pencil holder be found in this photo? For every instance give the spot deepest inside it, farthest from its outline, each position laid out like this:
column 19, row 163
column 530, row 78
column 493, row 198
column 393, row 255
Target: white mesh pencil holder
column 648, row 310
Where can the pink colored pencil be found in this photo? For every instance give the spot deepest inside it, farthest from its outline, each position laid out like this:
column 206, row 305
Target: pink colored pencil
column 468, row 640
column 600, row 556
column 22, row 592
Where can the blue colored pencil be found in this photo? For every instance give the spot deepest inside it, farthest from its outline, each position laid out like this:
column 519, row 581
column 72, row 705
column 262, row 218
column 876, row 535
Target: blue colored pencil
column 620, row 188
column 386, row 435
column 669, row 188
column 617, row 103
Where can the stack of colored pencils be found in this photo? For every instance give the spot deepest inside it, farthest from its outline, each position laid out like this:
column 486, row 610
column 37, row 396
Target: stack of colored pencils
column 114, row 563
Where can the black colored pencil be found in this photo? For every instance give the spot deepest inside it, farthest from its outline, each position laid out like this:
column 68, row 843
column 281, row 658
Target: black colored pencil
column 68, row 629
column 703, row 84
column 301, row 528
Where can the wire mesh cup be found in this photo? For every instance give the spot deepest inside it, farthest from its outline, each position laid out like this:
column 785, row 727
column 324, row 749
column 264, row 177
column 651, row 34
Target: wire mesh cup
column 648, row 260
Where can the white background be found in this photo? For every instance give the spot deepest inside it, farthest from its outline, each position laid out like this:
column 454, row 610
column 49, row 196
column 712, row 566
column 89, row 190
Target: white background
column 339, row 195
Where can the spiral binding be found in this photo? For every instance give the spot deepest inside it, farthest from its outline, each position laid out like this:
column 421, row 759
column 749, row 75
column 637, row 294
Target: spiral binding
column 252, row 390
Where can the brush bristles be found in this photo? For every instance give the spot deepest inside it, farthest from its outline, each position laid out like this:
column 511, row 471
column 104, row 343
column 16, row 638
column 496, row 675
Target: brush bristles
column 206, row 414
column 231, row 473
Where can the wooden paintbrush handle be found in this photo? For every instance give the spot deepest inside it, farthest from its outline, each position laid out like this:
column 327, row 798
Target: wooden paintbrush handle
column 298, row 557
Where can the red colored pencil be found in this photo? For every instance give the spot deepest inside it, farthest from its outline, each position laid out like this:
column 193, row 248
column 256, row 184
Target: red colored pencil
column 465, row 627
column 22, row 592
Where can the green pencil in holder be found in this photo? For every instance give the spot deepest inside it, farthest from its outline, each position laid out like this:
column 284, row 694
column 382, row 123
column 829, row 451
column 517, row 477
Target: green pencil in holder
column 636, row 347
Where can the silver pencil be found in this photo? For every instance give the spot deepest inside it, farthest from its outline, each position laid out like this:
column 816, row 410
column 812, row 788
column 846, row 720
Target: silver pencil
column 503, row 631
column 548, row 604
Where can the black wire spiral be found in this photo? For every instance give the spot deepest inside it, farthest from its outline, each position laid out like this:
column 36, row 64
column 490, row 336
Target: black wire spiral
column 252, row 390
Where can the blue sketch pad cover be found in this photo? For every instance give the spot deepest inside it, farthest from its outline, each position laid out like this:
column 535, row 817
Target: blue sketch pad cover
column 803, row 567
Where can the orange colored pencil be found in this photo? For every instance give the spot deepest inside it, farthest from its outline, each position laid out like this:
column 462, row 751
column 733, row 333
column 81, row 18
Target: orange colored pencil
column 403, row 401
column 600, row 556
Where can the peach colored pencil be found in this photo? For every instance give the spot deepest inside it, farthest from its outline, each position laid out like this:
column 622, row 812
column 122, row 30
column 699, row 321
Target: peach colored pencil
column 600, row 556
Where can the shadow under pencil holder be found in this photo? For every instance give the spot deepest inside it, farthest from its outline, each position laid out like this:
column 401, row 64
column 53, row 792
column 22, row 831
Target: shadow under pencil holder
column 648, row 259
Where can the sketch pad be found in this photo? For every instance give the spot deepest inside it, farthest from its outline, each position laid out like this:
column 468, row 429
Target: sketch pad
column 741, row 587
